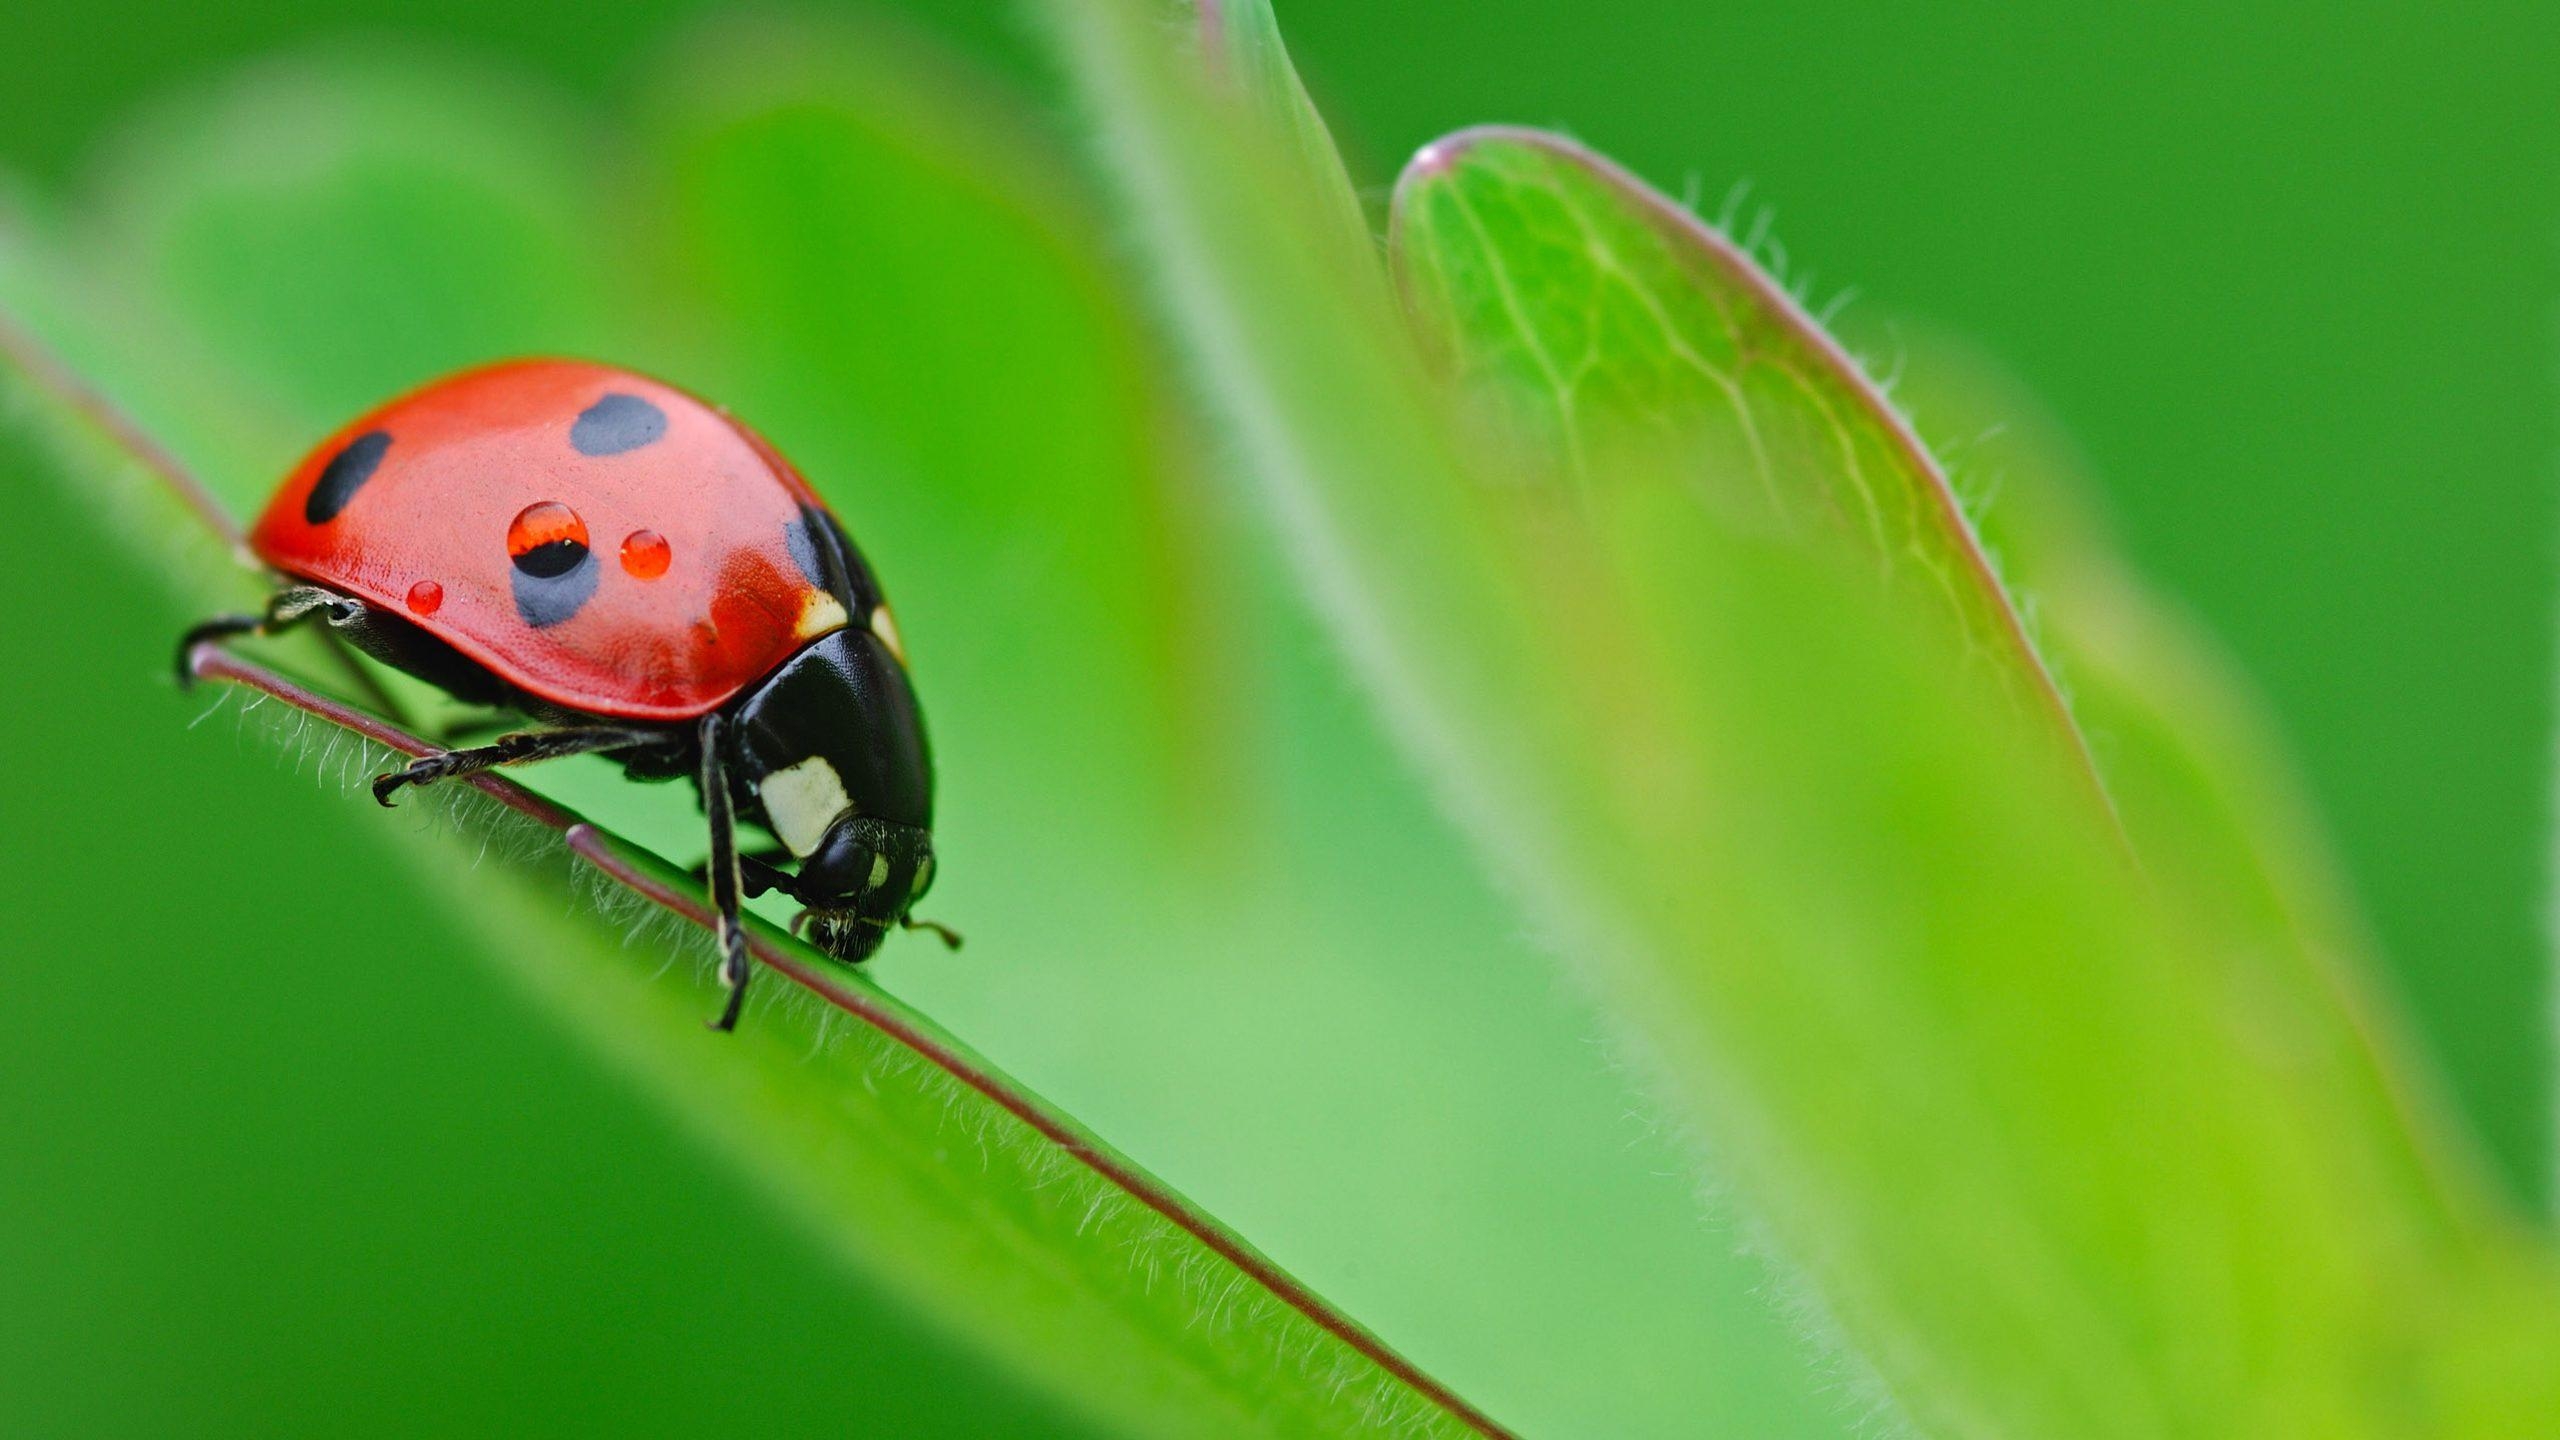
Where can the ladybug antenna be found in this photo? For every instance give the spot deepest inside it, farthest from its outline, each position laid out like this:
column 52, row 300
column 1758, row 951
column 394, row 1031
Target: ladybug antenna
column 950, row 937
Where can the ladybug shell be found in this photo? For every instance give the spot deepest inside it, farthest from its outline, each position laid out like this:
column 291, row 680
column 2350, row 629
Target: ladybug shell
column 596, row 539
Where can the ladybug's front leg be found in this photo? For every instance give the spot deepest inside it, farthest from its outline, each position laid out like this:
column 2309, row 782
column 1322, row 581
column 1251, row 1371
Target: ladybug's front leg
column 761, row 870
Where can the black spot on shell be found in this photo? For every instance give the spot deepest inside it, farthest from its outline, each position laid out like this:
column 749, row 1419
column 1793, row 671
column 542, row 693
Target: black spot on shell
column 560, row 579
column 345, row 474
column 820, row 549
column 552, row 559
column 615, row 424
column 821, row 566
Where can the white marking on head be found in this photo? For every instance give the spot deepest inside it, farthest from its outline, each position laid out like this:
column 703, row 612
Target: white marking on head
column 887, row 629
column 879, row 873
column 820, row 613
column 802, row 801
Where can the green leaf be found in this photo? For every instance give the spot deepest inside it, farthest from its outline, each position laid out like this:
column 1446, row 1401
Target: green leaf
column 2046, row 1167
column 1572, row 301
column 2054, row 1144
column 2195, row 765
column 1241, row 42
column 917, row 1163
column 911, row 1157
column 1615, row 329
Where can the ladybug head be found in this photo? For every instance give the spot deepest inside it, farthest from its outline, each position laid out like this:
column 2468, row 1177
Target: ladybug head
column 862, row 879
column 830, row 749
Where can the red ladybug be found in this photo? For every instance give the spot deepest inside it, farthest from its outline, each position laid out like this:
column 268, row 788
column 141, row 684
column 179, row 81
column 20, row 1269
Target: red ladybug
column 646, row 578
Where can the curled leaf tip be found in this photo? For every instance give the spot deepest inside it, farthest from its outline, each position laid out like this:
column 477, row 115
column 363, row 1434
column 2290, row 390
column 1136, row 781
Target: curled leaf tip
column 1593, row 303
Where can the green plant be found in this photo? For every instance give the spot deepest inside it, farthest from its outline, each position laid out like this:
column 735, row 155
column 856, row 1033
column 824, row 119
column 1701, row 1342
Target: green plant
column 2049, row 1072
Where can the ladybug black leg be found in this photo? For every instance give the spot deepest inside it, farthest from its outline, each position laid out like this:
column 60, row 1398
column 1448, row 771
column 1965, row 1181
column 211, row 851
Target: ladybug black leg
column 725, row 879
column 759, row 873
column 519, row 749
column 289, row 607
column 220, row 627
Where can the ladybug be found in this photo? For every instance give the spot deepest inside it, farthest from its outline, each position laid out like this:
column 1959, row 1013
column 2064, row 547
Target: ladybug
column 644, row 578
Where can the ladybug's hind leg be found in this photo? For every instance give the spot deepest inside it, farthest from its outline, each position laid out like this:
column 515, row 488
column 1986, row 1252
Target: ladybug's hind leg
column 289, row 607
column 519, row 749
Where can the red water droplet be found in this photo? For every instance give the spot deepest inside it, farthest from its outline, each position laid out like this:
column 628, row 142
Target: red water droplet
column 424, row 597
column 645, row 554
column 546, row 523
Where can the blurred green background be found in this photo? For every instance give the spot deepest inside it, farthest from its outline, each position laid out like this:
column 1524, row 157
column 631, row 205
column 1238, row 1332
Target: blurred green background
column 2289, row 276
